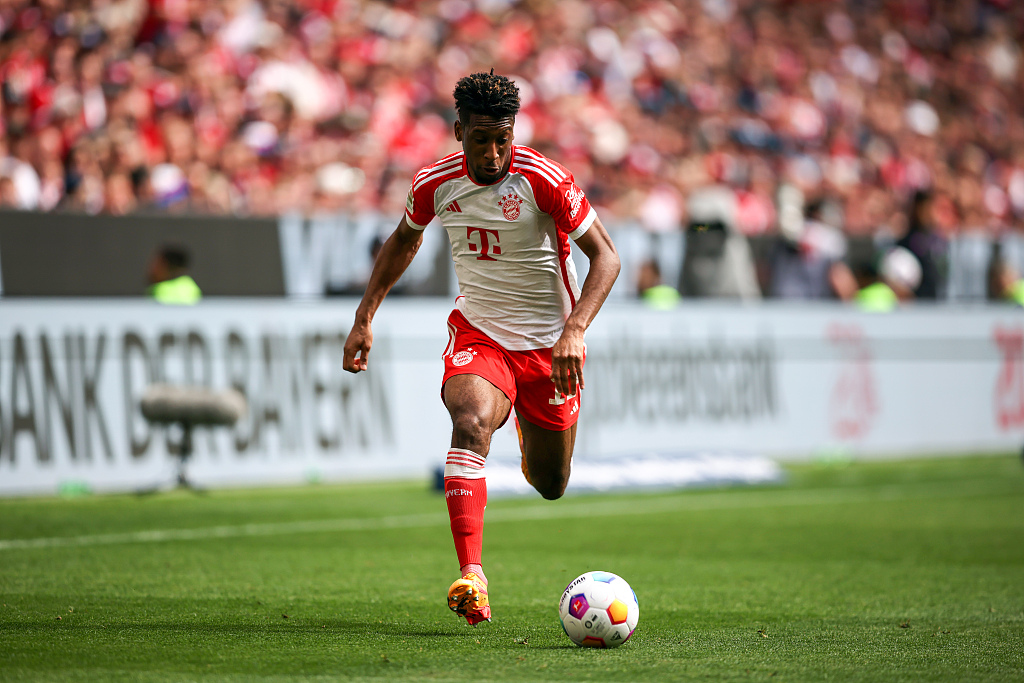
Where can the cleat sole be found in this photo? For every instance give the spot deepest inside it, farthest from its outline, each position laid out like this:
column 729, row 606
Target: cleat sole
column 469, row 600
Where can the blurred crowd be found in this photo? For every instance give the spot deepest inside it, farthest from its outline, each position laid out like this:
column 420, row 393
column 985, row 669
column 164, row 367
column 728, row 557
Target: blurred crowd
column 262, row 107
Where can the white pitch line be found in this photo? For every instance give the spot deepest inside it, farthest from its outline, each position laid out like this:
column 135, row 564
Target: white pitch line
column 731, row 500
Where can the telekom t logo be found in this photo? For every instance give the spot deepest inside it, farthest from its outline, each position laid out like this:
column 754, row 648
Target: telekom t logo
column 485, row 246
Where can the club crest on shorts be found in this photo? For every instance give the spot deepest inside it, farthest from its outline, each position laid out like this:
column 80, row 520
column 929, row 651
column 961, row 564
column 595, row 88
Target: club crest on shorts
column 463, row 357
column 509, row 204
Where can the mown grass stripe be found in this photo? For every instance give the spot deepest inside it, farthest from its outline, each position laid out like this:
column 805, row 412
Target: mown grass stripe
column 728, row 500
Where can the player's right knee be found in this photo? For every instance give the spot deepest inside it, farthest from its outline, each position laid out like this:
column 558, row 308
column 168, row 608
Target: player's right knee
column 471, row 431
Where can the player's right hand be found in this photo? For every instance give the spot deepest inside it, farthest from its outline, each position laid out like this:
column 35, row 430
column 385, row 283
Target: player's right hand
column 357, row 348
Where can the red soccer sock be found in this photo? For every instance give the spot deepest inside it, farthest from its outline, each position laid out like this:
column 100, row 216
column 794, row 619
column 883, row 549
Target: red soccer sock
column 465, row 491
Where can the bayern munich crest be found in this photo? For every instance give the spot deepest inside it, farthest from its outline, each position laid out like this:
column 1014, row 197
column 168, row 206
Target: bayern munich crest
column 463, row 357
column 509, row 204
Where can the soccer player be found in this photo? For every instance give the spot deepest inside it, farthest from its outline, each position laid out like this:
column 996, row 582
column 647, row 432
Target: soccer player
column 516, row 334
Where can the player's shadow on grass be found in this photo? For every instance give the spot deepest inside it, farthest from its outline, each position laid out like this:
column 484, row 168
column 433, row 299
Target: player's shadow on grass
column 395, row 630
column 290, row 627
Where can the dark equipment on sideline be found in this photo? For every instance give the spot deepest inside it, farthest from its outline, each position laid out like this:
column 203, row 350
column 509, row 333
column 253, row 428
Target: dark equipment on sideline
column 188, row 407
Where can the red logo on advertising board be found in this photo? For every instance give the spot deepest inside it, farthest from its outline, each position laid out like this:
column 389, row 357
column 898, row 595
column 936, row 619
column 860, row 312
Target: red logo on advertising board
column 854, row 400
column 1009, row 394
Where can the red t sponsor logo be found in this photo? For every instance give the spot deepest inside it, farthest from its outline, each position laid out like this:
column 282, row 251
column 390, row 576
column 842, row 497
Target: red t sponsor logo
column 1009, row 395
column 853, row 402
column 486, row 247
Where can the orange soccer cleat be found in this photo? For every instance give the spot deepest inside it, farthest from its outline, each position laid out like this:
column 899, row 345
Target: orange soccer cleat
column 467, row 597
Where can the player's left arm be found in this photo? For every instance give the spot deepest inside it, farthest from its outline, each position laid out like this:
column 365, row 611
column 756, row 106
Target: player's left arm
column 568, row 352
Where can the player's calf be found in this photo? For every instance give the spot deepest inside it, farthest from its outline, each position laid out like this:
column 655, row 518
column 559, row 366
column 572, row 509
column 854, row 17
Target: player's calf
column 547, row 457
column 549, row 473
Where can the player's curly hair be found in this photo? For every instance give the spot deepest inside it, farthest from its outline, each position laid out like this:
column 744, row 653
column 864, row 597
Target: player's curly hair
column 486, row 95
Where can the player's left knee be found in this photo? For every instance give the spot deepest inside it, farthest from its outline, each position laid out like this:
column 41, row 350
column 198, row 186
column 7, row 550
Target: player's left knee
column 553, row 494
column 552, row 488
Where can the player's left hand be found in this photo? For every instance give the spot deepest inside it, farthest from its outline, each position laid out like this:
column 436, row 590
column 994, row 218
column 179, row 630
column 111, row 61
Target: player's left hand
column 567, row 356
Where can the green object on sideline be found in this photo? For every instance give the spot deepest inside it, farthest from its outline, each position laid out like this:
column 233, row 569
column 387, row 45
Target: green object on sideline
column 877, row 298
column 181, row 291
column 1016, row 293
column 661, row 297
column 877, row 571
column 73, row 488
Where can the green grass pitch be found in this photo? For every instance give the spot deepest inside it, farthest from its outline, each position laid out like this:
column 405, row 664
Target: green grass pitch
column 908, row 571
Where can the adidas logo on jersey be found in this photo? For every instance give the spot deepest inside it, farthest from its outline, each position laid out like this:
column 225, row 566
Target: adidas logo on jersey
column 454, row 206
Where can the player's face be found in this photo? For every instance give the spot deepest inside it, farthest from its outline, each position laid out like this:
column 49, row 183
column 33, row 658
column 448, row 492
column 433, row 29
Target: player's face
column 487, row 142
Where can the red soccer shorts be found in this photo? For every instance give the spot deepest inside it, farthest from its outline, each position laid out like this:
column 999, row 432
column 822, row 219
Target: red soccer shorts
column 523, row 376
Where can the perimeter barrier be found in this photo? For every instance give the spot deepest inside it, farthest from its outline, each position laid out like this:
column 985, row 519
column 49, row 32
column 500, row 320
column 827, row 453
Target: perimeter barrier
column 772, row 379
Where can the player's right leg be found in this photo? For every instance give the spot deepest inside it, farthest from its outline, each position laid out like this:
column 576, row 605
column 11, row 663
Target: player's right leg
column 477, row 409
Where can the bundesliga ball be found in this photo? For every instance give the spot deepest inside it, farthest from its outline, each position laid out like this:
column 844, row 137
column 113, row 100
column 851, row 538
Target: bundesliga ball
column 598, row 609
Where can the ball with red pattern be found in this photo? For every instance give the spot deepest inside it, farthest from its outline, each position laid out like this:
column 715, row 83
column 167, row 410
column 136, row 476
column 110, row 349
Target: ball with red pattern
column 598, row 609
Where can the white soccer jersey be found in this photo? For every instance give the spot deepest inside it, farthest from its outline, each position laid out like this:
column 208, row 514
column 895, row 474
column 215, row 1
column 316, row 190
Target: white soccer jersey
column 509, row 243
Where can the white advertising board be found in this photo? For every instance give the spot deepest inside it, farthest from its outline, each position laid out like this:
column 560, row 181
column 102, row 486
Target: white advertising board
column 782, row 381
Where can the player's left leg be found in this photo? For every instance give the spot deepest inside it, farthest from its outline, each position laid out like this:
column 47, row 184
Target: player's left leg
column 547, row 456
column 545, row 421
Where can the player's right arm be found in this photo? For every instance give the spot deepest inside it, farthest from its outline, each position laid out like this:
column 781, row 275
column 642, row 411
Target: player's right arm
column 394, row 257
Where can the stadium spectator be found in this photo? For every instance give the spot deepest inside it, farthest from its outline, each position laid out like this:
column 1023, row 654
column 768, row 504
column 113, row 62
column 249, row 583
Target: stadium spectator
column 808, row 261
column 652, row 290
column 169, row 280
column 1004, row 282
column 902, row 272
column 925, row 244
column 891, row 282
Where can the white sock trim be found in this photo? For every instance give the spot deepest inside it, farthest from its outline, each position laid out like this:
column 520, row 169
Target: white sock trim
column 463, row 472
column 465, row 464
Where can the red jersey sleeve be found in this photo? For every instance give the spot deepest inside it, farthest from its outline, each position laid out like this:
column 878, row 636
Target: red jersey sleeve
column 419, row 205
column 557, row 193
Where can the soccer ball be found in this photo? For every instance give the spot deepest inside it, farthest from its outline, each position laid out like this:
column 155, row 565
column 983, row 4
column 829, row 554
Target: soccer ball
column 598, row 609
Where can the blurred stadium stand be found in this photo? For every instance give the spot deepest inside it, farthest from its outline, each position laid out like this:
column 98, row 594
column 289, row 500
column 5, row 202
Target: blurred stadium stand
column 80, row 255
column 68, row 255
column 260, row 109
